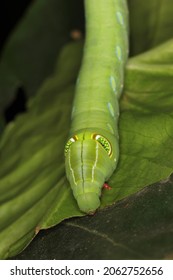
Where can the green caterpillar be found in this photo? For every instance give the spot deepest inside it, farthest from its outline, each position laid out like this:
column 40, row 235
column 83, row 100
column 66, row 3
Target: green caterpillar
column 92, row 151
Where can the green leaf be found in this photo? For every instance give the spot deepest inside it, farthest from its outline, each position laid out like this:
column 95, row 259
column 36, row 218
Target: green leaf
column 150, row 24
column 32, row 180
column 146, row 123
column 34, row 193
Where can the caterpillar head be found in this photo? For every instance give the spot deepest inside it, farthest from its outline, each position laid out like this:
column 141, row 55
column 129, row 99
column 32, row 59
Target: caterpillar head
column 89, row 163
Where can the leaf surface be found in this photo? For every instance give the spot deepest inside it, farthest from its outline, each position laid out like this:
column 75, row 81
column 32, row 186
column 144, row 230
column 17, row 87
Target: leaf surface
column 138, row 227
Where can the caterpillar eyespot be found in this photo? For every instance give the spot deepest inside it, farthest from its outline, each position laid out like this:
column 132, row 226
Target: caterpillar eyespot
column 96, row 107
column 104, row 142
column 68, row 144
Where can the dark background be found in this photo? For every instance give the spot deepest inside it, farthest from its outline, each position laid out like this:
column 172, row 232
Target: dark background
column 10, row 13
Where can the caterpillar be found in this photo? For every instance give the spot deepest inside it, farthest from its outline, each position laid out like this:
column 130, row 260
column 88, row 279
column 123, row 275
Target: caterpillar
column 92, row 149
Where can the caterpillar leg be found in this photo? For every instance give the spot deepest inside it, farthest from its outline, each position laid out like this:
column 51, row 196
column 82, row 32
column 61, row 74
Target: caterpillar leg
column 106, row 186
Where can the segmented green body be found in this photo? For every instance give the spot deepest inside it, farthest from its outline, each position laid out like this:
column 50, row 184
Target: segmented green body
column 91, row 153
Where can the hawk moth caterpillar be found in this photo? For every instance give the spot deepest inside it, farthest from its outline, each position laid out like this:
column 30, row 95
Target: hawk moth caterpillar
column 92, row 149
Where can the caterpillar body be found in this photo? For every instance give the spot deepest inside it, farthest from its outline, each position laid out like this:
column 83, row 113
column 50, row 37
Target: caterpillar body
column 92, row 150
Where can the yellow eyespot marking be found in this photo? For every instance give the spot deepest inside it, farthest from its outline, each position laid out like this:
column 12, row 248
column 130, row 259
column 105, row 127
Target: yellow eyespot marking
column 69, row 142
column 104, row 142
